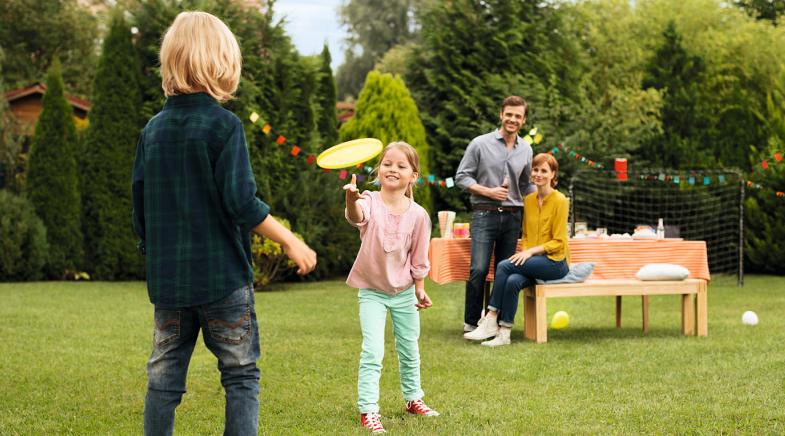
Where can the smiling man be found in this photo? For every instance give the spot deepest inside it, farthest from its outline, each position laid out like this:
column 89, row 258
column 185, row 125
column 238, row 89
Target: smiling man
column 496, row 170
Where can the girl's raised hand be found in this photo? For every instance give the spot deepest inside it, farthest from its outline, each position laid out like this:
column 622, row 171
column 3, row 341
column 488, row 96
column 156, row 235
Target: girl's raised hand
column 423, row 300
column 352, row 193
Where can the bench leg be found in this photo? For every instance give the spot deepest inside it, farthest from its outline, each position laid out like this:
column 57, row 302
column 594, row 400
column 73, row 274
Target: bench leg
column 645, row 310
column 618, row 311
column 529, row 317
column 688, row 314
column 542, row 320
column 702, row 310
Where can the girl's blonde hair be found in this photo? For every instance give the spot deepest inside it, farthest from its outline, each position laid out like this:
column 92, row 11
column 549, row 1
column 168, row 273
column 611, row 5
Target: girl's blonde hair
column 200, row 54
column 411, row 156
column 553, row 164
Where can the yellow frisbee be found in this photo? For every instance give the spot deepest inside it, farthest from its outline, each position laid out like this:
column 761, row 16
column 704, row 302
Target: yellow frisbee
column 349, row 153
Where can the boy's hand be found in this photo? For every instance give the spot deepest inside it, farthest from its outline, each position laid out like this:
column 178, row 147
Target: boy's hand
column 302, row 255
column 352, row 193
column 423, row 301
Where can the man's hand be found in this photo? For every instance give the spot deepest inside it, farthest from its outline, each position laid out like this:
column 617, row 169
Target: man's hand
column 423, row 301
column 301, row 254
column 520, row 257
column 352, row 193
column 498, row 193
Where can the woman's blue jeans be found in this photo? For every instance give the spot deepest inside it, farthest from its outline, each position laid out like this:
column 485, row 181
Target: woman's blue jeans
column 509, row 279
column 232, row 334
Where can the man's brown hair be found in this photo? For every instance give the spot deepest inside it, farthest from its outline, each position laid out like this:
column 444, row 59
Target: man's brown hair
column 514, row 100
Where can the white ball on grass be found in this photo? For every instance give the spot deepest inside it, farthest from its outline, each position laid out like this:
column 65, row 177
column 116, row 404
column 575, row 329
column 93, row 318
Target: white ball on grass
column 749, row 318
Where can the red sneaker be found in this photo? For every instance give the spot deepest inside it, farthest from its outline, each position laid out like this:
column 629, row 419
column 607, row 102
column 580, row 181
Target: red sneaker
column 372, row 421
column 418, row 407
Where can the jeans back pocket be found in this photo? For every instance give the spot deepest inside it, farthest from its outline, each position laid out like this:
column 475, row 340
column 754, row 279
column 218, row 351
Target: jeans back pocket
column 167, row 326
column 229, row 320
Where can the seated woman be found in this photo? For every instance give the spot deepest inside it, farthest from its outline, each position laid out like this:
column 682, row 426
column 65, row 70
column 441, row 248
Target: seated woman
column 545, row 255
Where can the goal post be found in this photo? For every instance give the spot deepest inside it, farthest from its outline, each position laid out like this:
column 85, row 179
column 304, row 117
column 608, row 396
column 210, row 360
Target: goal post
column 702, row 205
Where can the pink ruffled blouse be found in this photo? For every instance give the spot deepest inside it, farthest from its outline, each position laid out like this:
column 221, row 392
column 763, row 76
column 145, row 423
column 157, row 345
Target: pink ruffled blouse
column 394, row 248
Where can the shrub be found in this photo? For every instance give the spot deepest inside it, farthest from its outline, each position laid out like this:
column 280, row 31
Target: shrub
column 23, row 247
column 270, row 263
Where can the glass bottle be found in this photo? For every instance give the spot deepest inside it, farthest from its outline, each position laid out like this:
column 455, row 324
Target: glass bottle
column 660, row 229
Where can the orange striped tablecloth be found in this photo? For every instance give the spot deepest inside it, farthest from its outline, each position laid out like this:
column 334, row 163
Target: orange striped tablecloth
column 614, row 259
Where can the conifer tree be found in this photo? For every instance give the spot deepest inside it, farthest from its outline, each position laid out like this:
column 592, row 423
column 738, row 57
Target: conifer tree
column 386, row 111
column 52, row 181
column 108, row 158
column 684, row 120
column 474, row 54
column 327, row 123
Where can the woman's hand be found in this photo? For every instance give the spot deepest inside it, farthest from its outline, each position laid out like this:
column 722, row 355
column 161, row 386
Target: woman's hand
column 352, row 193
column 423, row 300
column 520, row 257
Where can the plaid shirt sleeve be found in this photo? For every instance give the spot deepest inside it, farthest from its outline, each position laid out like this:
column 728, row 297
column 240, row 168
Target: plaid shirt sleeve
column 235, row 181
column 137, row 193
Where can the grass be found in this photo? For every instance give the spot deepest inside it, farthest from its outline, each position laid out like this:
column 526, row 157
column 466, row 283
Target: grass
column 74, row 354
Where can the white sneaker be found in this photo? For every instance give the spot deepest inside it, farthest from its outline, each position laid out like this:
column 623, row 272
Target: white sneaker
column 502, row 338
column 486, row 328
column 468, row 327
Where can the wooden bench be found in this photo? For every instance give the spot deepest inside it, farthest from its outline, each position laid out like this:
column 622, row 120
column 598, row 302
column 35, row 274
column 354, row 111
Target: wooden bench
column 616, row 262
column 694, row 302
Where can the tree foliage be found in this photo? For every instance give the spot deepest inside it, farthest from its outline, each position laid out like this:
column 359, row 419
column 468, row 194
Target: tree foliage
column 34, row 33
column 107, row 159
column 473, row 54
column 52, row 182
column 23, row 247
column 386, row 111
column 373, row 27
column 9, row 141
column 327, row 123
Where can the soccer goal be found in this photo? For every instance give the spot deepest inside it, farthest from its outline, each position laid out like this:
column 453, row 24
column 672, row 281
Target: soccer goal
column 702, row 205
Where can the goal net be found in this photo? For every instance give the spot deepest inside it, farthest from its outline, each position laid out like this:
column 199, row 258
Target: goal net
column 694, row 205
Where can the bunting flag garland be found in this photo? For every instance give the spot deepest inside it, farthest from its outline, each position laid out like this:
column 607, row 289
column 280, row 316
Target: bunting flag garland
column 533, row 137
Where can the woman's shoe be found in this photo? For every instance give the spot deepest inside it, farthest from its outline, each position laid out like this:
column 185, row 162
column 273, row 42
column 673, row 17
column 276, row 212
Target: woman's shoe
column 502, row 338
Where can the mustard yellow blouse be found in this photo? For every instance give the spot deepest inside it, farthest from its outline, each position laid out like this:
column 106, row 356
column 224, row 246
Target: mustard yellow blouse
column 547, row 226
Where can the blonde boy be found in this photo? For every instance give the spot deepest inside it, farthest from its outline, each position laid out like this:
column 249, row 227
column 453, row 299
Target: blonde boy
column 194, row 200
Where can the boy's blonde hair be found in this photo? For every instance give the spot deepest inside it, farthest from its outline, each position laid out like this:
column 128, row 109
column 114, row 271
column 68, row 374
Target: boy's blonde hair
column 411, row 156
column 200, row 54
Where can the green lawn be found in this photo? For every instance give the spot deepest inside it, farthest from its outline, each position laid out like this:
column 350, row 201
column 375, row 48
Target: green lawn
column 73, row 362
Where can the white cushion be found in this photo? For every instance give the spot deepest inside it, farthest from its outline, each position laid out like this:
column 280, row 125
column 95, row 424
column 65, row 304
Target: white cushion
column 662, row 271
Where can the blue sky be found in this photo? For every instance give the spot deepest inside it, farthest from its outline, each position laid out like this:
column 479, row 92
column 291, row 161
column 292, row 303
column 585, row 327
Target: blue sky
column 312, row 22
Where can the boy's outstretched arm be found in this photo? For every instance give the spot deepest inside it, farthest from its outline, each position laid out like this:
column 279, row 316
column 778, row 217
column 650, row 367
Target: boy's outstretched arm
column 297, row 250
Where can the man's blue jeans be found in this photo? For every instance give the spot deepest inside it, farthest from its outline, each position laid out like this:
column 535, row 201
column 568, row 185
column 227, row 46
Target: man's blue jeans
column 509, row 279
column 492, row 232
column 232, row 334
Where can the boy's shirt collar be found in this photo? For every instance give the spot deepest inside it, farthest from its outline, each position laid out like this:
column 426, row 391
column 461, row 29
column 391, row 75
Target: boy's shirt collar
column 195, row 99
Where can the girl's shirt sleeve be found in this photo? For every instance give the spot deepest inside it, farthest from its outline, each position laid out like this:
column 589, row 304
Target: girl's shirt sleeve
column 421, row 238
column 365, row 205
column 559, row 228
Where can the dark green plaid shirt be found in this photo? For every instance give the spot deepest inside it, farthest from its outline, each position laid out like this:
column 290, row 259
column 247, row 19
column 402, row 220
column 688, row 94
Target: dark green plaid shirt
column 194, row 200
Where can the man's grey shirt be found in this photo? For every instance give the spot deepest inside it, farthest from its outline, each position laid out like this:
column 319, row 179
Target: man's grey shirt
column 487, row 161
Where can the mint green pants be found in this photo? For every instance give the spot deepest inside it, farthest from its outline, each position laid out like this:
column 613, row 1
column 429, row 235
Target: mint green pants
column 406, row 327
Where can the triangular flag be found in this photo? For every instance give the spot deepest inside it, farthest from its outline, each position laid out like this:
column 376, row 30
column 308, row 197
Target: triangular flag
column 676, row 179
column 310, row 159
column 266, row 128
column 722, row 178
column 280, row 140
column 450, row 182
column 692, row 180
column 764, row 164
column 706, row 180
column 254, row 117
column 295, row 150
column 777, row 157
column 342, row 174
column 361, row 177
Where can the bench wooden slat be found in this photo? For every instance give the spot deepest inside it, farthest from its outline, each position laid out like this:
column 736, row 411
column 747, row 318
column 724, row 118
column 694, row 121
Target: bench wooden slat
column 618, row 287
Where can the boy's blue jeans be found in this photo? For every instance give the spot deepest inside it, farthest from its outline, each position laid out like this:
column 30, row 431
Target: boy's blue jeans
column 232, row 334
column 509, row 279
column 374, row 306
